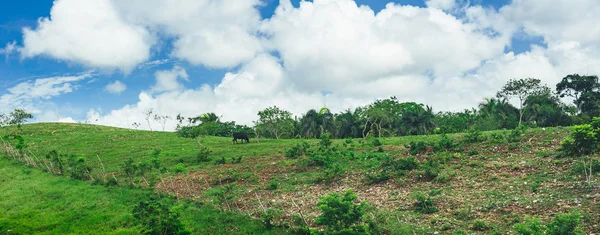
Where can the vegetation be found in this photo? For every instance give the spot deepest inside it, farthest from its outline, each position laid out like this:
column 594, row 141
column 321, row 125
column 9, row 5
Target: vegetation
column 420, row 172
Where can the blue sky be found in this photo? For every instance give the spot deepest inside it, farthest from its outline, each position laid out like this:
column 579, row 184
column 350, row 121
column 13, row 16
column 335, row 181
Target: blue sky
column 91, row 94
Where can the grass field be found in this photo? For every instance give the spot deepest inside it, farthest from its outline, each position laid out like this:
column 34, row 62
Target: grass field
column 482, row 187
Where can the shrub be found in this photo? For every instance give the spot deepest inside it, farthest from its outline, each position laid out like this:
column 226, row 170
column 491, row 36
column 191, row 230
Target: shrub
column 376, row 142
column 531, row 226
column 497, row 137
column 565, row 224
column 431, row 169
column 339, row 213
column 417, row 147
column 77, row 168
column 425, row 204
column 236, row 160
column 582, row 141
column 203, row 154
column 377, row 177
column 516, row 133
column 220, row 161
column 180, row 168
column 325, row 140
column 474, row 136
column 272, row 185
column 445, row 144
column 156, row 217
column 297, row 150
column 55, row 161
column 480, row 225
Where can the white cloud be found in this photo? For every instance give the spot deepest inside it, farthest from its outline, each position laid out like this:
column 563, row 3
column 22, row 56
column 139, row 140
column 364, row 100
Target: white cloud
column 35, row 95
column 8, row 49
column 215, row 33
column 326, row 43
column 91, row 33
column 238, row 97
column 116, row 87
column 168, row 80
column 441, row 4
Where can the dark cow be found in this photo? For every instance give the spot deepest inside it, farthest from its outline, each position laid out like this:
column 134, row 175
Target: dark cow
column 241, row 136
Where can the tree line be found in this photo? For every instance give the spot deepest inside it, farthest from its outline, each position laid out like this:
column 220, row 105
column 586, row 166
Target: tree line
column 539, row 106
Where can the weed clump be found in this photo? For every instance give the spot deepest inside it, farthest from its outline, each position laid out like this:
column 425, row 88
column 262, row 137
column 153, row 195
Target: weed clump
column 425, row 204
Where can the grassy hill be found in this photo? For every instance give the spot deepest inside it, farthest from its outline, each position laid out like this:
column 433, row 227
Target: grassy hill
column 477, row 183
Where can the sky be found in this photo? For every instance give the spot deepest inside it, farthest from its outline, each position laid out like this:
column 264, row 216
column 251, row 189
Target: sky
column 108, row 62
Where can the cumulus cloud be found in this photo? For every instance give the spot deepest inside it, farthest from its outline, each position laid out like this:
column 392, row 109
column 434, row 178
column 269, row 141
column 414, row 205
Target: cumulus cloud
column 168, row 80
column 116, row 87
column 91, row 33
column 215, row 33
column 326, row 43
column 239, row 97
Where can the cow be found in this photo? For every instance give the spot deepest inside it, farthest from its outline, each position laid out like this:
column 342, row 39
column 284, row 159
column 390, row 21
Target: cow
column 240, row 135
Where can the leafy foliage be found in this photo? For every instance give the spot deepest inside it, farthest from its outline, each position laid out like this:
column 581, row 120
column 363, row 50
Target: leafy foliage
column 531, row 226
column 156, row 217
column 340, row 215
column 425, row 204
column 582, row 141
column 565, row 224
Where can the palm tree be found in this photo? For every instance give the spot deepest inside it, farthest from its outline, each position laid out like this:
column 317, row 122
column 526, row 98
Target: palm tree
column 418, row 120
column 309, row 124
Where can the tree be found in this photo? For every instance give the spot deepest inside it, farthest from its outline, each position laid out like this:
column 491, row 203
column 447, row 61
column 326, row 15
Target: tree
column 313, row 123
column 339, row 213
column 381, row 116
column 347, row 124
column 416, row 119
column 496, row 114
column 546, row 109
column 521, row 88
column 18, row 117
column 162, row 119
column 148, row 115
column 274, row 122
column 584, row 89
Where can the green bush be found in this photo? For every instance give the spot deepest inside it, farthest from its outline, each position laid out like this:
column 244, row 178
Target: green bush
column 376, row 142
column 377, row 177
column 431, row 169
column 180, row 168
column 339, row 213
column 425, row 204
column 474, row 136
column 325, row 140
column 565, row 224
column 515, row 134
column 582, row 141
column 531, row 226
column 480, row 225
column 417, row 147
column 156, row 217
column 297, row 150
column 203, row 154
column 445, row 144
column 220, row 161
column 272, row 185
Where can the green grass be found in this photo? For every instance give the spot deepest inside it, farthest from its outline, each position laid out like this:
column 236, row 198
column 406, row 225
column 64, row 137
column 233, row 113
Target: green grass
column 480, row 186
column 34, row 202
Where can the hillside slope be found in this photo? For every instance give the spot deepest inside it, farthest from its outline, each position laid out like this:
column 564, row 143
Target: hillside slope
column 485, row 184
